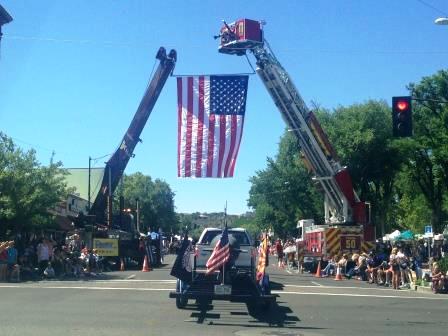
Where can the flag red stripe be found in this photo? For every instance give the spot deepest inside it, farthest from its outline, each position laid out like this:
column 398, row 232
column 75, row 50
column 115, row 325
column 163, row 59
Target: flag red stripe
column 220, row 255
column 222, row 142
column 233, row 132
column 200, row 127
column 189, row 127
column 179, row 123
column 232, row 168
column 211, row 144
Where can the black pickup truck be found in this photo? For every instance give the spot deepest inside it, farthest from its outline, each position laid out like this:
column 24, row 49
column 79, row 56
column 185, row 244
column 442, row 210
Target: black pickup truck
column 238, row 281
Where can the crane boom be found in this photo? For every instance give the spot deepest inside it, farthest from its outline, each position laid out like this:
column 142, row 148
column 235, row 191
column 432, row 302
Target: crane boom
column 341, row 202
column 117, row 163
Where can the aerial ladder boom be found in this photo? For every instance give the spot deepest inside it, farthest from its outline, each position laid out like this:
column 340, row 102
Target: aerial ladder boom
column 117, row 163
column 341, row 202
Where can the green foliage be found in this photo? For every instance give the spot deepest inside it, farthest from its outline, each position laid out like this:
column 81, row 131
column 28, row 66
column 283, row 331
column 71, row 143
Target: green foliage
column 443, row 264
column 362, row 137
column 156, row 201
column 27, row 189
column 427, row 166
column 282, row 193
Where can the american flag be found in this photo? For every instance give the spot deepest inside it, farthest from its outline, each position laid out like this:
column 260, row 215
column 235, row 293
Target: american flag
column 210, row 124
column 220, row 254
column 262, row 259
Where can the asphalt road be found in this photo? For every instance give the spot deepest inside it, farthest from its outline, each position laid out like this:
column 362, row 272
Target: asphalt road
column 137, row 303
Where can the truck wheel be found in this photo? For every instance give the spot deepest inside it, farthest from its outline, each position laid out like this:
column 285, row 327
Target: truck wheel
column 203, row 302
column 181, row 302
column 265, row 306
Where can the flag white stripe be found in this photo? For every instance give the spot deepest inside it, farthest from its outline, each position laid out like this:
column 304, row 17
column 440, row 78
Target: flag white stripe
column 183, row 132
column 194, row 122
column 216, row 146
column 227, row 144
column 205, row 128
column 239, row 128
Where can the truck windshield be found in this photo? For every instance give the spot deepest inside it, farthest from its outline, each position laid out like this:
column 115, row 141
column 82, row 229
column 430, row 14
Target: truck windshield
column 239, row 236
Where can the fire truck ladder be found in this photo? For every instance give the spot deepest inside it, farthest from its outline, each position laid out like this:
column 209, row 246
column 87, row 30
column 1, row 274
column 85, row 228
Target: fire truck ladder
column 295, row 112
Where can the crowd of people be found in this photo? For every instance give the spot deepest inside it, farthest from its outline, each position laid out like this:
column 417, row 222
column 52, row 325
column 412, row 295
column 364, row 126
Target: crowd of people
column 34, row 258
column 397, row 266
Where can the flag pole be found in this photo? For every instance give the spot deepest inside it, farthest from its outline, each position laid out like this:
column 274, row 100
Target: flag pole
column 225, row 227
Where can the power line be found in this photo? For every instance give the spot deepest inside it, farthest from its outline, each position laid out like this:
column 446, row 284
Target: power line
column 289, row 50
column 431, row 6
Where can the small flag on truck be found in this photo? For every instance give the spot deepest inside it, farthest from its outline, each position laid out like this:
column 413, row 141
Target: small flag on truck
column 220, row 254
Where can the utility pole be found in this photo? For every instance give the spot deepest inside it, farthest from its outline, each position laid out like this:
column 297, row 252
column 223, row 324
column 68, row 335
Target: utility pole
column 88, row 186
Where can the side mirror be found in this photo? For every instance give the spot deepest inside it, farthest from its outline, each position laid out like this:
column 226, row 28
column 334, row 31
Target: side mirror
column 256, row 243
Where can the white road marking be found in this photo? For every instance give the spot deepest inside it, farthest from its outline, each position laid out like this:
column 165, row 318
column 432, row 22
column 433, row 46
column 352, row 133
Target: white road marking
column 340, row 287
column 360, row 295
column 112, row 281
column 317, row 284
column 88, row 288
column 274, row 292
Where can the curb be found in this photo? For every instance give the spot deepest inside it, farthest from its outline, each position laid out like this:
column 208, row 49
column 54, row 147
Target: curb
column 423, row 289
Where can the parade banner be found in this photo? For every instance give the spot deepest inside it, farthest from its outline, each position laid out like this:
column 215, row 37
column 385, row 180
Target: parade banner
column 106, row 247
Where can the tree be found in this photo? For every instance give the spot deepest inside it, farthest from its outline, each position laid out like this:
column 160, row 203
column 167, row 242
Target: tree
column 282, row 193
column 362, row 137
column 156, row 201
column 427, row 164
column 27, row 189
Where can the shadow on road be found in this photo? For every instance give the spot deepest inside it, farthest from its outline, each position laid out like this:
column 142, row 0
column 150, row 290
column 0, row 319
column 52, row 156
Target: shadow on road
column 233, row 314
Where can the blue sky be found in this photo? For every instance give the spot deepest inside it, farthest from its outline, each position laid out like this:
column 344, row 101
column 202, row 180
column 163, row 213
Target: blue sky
column 72, row 74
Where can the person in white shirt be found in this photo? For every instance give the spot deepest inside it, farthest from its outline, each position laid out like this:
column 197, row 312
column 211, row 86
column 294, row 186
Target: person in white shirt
column 43, row 255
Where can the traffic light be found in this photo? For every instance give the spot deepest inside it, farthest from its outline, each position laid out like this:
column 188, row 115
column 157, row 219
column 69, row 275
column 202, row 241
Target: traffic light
column 402, row 116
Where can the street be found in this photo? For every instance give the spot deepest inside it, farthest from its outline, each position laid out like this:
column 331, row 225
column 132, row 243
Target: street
column 137, row 303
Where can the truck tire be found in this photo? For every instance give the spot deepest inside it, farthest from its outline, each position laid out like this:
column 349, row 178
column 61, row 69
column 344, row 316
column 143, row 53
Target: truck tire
column 181, row 301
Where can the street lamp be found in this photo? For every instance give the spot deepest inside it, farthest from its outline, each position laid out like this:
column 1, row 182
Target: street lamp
column 441, row 21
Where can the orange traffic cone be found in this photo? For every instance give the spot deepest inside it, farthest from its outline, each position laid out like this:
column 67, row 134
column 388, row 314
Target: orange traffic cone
column 122, row 264
column 338, row 276
column 317, row 275
column 146, row 265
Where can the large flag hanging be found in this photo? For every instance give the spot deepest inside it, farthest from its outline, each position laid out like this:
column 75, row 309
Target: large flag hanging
column 182, row 266
column 210, row 124
column 220, row 254
column 262, row 258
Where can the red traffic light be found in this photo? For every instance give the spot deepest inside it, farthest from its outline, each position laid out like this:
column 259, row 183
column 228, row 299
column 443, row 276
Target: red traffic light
column 402, row 116
column 402, row 105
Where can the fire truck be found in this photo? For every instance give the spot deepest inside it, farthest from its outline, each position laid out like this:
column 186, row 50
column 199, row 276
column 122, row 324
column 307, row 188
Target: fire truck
column 346, row 226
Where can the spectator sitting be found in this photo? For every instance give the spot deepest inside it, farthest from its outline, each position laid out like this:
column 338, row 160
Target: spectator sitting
column 437, row 279
column 384, row 275
column 372, row 268
column 27, row 271
column 342, row 263
column 329, row 269
column 49, row 271
column 416, row 267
